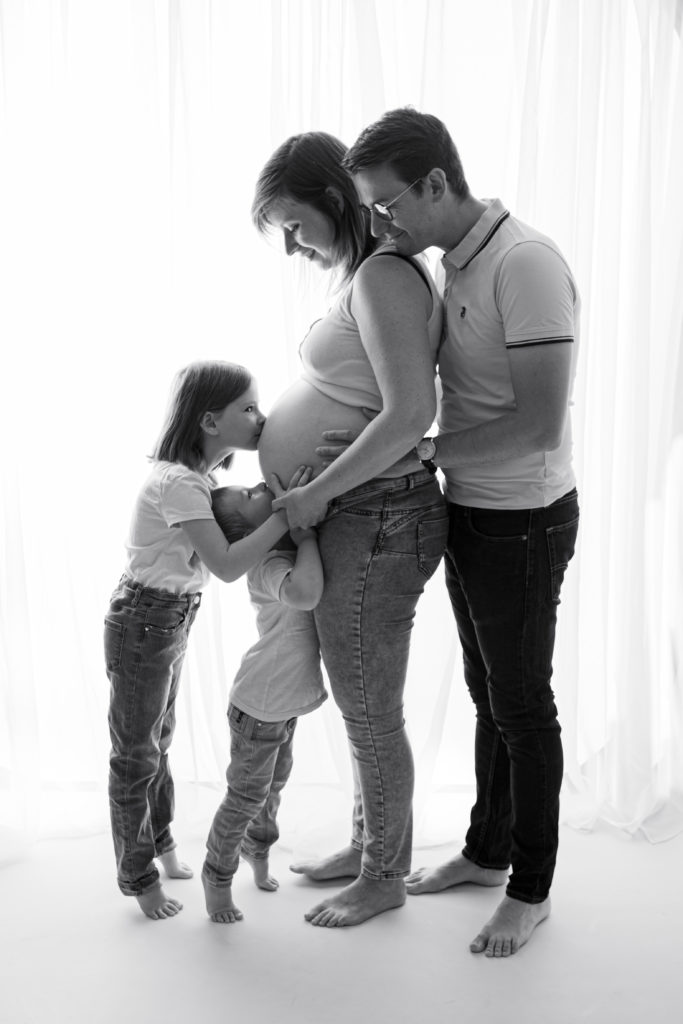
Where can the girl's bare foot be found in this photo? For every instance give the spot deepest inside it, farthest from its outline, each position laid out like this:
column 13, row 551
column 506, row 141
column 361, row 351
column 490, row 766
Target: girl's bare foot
column 173, row 867
column 157, row 905
column 453, row 872
column 343, row 864
column 510, row 927
column 219, row 903
column 363, row 899
column 259, row 865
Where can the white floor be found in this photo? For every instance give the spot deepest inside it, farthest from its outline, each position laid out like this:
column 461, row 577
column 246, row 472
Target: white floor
column 73, row 950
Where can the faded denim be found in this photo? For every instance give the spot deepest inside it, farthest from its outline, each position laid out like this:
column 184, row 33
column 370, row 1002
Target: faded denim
column 504, row 572
column 246, row 820
column 379, row 545
column 145, row 639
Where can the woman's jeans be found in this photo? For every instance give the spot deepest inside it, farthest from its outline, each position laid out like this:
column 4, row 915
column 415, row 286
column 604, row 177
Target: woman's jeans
column 145, row 638
column 379, row 544
column 504, row 571
column 246, row 821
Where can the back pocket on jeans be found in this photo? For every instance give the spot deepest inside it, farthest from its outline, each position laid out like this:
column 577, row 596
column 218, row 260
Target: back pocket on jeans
column 114, row 634
column 561, row 543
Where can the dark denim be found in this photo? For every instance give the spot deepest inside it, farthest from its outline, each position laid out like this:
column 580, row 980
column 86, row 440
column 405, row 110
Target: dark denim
column 379, row 545
column 246, row 820
column 145, row 638
column 504, row 571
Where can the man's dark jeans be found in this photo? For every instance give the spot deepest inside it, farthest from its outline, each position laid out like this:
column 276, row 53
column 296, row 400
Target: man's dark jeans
column 504, row 571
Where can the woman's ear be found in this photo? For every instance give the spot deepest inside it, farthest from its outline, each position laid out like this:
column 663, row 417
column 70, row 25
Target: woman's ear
column 335, row 197
column 208, row 423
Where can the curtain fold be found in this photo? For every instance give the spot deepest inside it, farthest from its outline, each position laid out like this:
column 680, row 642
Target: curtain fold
column 130, row 140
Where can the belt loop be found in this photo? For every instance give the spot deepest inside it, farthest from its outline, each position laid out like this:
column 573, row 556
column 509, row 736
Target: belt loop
column 137, row 591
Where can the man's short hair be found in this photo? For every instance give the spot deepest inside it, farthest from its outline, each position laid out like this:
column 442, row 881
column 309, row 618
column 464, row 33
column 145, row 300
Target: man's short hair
column 412, row 144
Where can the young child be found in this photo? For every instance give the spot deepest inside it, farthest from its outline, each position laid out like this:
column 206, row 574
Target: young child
column 174, row 544
column 278, row 680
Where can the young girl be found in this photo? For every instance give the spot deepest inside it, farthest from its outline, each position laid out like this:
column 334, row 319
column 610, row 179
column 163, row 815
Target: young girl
column 174, row 545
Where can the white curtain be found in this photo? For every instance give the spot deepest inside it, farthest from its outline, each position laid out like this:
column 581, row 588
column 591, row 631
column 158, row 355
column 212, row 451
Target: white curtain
column 130, row 139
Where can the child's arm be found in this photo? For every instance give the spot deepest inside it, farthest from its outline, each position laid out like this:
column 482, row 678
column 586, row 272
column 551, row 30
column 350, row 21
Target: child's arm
column 303, row 586
column 230, row 561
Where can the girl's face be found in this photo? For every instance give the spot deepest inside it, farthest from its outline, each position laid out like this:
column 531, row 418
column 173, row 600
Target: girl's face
column 307, row 231
column 240, row 423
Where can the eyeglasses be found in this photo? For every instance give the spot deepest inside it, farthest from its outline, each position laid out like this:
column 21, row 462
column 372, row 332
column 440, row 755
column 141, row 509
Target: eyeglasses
column 384, row 211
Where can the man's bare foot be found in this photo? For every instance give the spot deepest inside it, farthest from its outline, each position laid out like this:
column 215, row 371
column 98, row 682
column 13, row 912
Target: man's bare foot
column 343, row 864
column 453, row 872
column 219, row 903
column 173, row 867
column 259, row 865
column 362, row 899
column 510, row 927
column 157, row 905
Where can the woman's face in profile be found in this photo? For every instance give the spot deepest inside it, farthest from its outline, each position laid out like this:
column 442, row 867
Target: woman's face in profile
column 307, row 232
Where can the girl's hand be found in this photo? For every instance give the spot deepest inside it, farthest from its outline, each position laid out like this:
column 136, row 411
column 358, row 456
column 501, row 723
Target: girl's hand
column 299, row 536
column 300, row 478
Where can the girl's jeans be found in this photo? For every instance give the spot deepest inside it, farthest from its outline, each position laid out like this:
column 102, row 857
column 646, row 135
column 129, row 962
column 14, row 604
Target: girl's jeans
column 504, row 571
column 246, row 821
column 379, row 544
column 145, row 638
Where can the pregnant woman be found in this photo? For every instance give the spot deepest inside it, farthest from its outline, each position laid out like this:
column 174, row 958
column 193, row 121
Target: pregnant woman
column 382, row 518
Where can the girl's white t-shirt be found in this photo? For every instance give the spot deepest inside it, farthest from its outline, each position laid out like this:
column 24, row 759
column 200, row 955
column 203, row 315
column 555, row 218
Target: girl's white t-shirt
column 160, row 554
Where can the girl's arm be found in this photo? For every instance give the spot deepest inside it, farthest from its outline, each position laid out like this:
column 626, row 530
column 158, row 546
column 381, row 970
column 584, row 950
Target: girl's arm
column 303, row 586
column 391, row 307
column 230, row 561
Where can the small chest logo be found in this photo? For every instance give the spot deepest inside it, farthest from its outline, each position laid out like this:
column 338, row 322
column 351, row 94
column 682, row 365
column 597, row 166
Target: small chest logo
column 463, row 311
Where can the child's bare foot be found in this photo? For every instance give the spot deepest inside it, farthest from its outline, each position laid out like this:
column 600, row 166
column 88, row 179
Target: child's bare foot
column 453, row 872
column 343, row 864
column 362, row 899
column 219, row 903
column 510, row 927
column 259, row 865
column 173, row 867
column 156, row 904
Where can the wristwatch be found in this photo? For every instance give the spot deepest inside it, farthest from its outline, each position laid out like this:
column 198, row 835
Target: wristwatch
column 425, row 451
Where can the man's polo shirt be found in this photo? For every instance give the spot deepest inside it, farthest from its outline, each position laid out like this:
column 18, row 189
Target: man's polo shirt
column 506, row 286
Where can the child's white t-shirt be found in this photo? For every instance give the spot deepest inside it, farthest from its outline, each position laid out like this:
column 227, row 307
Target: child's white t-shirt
column 280, row 676
column 160, row 554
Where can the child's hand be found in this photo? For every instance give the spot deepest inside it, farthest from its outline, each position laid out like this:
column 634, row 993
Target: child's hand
column 298, row 535
column 301, row 477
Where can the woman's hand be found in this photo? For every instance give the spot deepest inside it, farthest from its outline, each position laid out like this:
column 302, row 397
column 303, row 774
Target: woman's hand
column 303, row 508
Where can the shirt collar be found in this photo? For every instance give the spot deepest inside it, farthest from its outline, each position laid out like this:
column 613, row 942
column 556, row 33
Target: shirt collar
column 478, row 236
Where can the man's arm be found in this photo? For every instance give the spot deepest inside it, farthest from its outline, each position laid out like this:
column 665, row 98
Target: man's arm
column 541, row 379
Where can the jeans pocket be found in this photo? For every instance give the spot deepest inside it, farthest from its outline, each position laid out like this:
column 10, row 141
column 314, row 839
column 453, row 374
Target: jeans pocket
column 114, row 634
column 561, row 542
column 164, row 621
column 432, row 535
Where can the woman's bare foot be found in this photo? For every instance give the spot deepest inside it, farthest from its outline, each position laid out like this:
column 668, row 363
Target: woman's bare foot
column 219, row 903
column 343, row 864
column 453, row 872
column 510, row 927
column 259, row 865
column 157, row 905
column 363, row 899
column 173, row 867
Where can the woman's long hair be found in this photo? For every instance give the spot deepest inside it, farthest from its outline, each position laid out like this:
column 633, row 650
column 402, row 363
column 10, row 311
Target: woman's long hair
column 198, row 388
column 304, row 167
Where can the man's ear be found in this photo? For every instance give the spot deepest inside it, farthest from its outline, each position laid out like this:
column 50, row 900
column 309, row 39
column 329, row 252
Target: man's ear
column 437, row 183
column 208, row 423
column 335, row 197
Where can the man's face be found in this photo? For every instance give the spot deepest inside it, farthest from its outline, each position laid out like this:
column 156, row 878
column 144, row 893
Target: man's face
column 408, row 230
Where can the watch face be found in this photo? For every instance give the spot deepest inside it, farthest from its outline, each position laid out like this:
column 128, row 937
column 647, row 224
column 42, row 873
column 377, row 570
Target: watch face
column 426, row 449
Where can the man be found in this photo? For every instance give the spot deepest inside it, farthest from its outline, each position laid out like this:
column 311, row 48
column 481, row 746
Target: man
column 504, row 444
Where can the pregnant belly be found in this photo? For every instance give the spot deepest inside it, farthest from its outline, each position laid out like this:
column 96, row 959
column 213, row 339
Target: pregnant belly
column 294, row 428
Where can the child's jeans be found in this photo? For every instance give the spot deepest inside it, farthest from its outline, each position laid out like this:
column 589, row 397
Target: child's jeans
column 145, row 638
column 246, row 821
